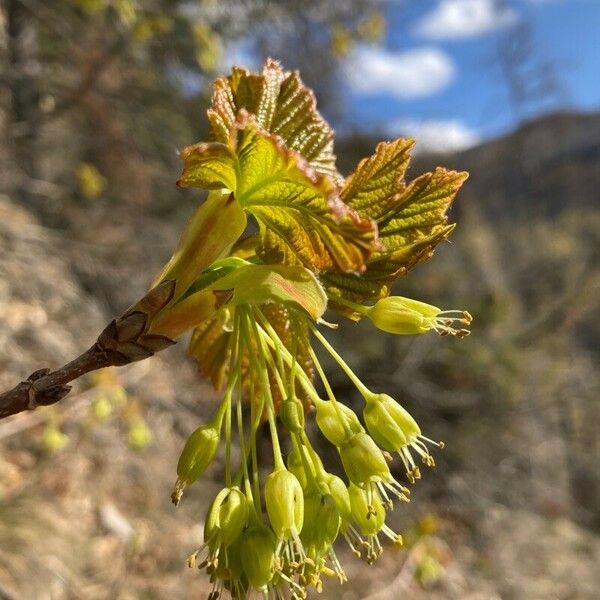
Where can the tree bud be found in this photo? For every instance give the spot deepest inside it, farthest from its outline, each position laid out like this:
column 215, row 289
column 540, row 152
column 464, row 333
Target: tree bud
column 285, row 503
column 291, row 415
column 329, row 420
column 367, row 509
column 363, row 460
column 258, row 546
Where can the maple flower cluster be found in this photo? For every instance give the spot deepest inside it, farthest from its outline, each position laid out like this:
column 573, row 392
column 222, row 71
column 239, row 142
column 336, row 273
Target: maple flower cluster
column 255, row 302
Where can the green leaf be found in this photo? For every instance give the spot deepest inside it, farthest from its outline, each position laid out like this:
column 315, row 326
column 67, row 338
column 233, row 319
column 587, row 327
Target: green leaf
column 208, row 166
column 417, row 218
column 248, row 284
column 411, row 218
column 282, row 105
column 259, row 284
column 371, row 189
column 302, row 219
column 211, row 232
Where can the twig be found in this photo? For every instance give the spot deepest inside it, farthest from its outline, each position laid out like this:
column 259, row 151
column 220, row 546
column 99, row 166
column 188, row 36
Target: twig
column 45, row 387
column 123, row 341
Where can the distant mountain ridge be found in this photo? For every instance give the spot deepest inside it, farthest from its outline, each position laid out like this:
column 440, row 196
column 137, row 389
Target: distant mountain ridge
column 541, row 168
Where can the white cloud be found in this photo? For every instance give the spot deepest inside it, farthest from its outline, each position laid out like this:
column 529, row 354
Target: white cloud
column 453, row 19
column 408, row 74
column 435, row 135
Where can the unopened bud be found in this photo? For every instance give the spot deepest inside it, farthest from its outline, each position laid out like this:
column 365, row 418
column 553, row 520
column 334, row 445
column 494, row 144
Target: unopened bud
column 227, row 516
column 197, row 454
column 291, row 415
column 336, row 421
column 285, row 503
column 363, row 461
column 367, row 509
column 257, row 548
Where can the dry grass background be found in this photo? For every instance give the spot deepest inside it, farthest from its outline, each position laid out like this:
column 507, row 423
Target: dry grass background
column 94, row 520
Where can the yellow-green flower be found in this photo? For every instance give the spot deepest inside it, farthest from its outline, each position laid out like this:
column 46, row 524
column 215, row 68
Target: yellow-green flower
column 404, row 316
column 395, row 430
column 255, row 303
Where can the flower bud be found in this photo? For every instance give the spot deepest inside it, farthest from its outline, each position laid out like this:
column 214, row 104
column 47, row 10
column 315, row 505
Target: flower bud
column 291, row 415
column 227, row 516
column 363, row 461
column 197, row 454
column 394, row 429
column 285, row 503
column 339, row 493
column 382, row 426
column 329, row 420
column 402, row 316
column 230, row 567
column 405, row 316
column 367, row 509
column 322, row 520
column 258, row 551
column 399, row 415
column 297, row 465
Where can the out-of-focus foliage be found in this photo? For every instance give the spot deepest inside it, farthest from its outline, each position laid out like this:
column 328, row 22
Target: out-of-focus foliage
column 119, row 84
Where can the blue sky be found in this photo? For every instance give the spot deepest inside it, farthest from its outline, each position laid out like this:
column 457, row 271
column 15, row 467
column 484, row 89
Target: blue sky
column 437, row 75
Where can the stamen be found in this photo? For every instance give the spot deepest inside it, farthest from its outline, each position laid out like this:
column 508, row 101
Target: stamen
column 337, row 567
column 445, row 323
column 396, row 538
column 387, row 503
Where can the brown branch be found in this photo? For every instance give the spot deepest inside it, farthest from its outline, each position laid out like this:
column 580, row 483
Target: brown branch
column 45, row 387
column 125, row 340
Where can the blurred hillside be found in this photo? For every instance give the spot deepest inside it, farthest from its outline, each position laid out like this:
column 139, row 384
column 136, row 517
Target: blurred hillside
column 510, row 512
column 544, row 168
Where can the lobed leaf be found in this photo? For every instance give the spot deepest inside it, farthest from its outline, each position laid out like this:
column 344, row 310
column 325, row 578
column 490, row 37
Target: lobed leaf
column 259, row 284
column 282, row 105
column 372, row 188
column 412, row 219
column 301, row 218
column 210, row 348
